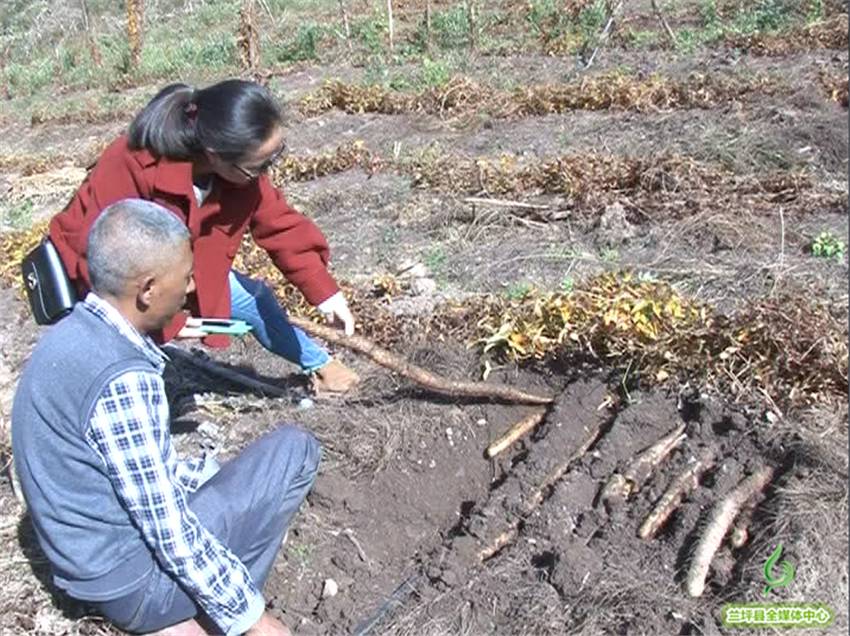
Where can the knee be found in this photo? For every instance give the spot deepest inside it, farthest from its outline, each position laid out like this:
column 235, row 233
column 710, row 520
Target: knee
column 300, row 445
column 262, row 293
column 256, row 288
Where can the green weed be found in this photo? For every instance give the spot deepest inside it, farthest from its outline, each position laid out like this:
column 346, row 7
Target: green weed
column 609, row 254
column 370, row 33
column 17, row 215
column 765, row 15
column 518, row 291
column 828, row 245
column 450, row 29
column 435, row 72
column 815, row 12
column 435, row 260
column 546, row 18
column 708, row 13
column 593, row 17
column 304, row 45
column 301, row 552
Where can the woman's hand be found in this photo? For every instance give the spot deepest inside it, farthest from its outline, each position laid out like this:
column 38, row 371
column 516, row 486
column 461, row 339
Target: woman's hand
column 191, row 329
column 336, row 312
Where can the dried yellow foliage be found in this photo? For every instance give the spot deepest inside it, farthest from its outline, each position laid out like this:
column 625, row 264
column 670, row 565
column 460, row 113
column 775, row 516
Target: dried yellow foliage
column 611, row 90
column 829, row 34
column 790, row 351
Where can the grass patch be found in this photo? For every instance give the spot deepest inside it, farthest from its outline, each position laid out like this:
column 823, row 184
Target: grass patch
column 17, row 215
column 303, row 46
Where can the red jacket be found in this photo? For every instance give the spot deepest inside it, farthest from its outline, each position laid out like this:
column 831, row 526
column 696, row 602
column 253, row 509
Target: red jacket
column 296, row 246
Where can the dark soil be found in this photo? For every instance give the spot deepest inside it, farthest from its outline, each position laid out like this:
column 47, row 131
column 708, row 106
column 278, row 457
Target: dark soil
column 405, row 500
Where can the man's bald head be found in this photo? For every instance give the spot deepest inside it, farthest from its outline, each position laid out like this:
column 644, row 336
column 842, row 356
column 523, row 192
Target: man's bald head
column 132, row 238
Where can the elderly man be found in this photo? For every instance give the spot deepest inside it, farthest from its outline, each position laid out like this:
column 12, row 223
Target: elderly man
column 151, row 541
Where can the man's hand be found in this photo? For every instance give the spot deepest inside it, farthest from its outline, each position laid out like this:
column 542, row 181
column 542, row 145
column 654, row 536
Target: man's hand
column 336, row 312
column 191, row 329
column 268, row 625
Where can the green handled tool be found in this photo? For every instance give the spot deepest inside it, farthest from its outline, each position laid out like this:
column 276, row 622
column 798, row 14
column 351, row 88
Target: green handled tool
column 224, row 326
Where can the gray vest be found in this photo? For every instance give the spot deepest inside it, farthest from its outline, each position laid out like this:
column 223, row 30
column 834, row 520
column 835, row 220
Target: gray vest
column 95, row 551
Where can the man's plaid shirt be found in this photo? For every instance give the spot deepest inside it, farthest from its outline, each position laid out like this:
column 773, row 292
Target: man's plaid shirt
column 129, row 430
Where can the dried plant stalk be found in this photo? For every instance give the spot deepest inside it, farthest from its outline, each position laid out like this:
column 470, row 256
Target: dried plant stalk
column 346, row 25
column 671, row 37
column 472, row 18
column 427, row 23
column 423, row 377
column 721, row 519
column 135, row 19
column 519, row 429
column 390, row 25
column 248, row 40
column 672, row 497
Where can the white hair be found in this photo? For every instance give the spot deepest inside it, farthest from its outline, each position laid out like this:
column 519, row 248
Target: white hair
column 129, row 238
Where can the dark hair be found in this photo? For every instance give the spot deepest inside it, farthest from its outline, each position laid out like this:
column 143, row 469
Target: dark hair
column 230, row 118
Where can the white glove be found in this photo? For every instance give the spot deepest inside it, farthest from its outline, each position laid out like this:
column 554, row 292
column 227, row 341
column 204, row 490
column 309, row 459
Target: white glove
column 336, row 310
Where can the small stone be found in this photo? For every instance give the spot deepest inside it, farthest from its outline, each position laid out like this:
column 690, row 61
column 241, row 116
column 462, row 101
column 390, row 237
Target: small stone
column 208, row 428
column 305, row 403
column 412, row 270
column 423, row 287
column 481, row 422
column 613, row 228
column 432, row 464
column 330, row 588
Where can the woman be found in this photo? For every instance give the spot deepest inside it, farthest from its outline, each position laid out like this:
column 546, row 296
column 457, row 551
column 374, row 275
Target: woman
column 204, row 154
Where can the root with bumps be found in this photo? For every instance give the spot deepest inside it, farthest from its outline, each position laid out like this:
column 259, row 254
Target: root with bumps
column 722, row 517
column 672, row 497
column 422, row 377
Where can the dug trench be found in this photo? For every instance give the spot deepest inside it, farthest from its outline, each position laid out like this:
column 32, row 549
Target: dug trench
column 409, row 520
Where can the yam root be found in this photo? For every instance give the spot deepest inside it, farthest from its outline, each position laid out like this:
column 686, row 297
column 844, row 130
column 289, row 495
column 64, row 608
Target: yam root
column 539, row 494
column 525, row 425
column 643, row 465
column 722, row 517
column 741, row 529
column 672, row 497
column 615, row 489
column 621, row 486
column 422, row 377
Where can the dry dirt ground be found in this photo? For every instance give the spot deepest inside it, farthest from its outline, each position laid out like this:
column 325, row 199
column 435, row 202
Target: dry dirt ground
column 405, row 499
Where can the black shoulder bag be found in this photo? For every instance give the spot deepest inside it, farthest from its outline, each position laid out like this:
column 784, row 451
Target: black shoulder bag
column 49, row 290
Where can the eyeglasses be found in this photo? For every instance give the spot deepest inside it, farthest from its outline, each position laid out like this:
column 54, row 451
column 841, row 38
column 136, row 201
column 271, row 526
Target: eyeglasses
column 254, row 173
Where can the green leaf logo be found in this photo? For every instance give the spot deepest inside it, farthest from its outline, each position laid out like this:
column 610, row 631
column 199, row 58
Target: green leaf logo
column 787, row 571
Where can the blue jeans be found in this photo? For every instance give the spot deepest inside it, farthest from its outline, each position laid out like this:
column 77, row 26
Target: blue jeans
column 255, row 303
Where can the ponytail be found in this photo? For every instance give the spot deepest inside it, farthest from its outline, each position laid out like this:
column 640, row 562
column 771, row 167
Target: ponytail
column 166, row 126
column 230, row 118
